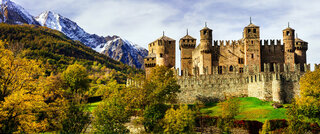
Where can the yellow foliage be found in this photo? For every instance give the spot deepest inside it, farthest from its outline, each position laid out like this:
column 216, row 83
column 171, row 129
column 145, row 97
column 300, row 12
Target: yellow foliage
column 29, row 102
column 180, row 120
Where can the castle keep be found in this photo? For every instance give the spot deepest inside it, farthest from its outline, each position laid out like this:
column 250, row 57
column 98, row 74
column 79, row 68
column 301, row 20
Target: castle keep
column 266, row 69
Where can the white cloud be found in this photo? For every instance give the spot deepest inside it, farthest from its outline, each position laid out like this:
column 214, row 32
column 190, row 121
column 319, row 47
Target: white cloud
column 142, row 21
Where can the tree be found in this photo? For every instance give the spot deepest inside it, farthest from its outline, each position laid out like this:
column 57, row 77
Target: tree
column 179, row 120
column 76, row 79
column 153, row 114
column 77, row 118
column 229, row 108
column 111, row 114
column 162, row 86
column 306, row 107
column 30, row 102
column 16, row 73
column 309, row 101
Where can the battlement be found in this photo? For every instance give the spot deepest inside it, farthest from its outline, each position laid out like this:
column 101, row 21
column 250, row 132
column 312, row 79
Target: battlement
column 237, row 70
column 226, row 43
column 271, row 42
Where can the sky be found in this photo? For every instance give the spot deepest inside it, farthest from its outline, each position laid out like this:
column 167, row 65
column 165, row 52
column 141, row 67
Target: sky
column 143, row 21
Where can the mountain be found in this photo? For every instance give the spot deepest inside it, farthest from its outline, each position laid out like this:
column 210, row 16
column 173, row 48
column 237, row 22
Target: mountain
column 124, row 51
column 69, row 28
column 114, row 46
column 14, row 14
column 54, row 49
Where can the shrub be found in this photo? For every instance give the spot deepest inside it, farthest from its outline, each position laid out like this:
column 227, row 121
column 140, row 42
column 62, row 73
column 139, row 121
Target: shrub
column 179, row 120
column 152, row 117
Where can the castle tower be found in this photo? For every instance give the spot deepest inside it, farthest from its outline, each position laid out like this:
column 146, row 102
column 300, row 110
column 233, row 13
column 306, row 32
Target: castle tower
column 187, row 45
column 161, row 52
column 205, row 39
column 251, row 38
column 205, row 65
column 301, row 48
column 289, row 49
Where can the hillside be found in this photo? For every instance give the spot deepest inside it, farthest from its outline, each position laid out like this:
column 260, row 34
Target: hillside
column 53, row 48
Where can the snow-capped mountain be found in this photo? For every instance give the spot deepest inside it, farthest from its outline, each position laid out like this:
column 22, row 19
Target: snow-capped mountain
column 14, row 14
column 69, row 28
column 124, row 51
column 115, row 47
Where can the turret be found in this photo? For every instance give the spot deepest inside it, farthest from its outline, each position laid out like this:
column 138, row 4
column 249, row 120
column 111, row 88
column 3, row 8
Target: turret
column 289, row 49
column 301, row 48
column 251, row 38
column 187, row 45
column 205, row 39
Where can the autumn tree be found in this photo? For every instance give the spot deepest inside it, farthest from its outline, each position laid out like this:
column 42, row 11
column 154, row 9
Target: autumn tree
column 180, row 120
column 111, row 114
column 30, row 103
column 162, row 87
column 306, row 107
column 76, row 79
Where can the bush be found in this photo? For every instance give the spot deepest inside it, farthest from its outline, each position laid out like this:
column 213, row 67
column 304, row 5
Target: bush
column 205, row 121
column 179, row 120
column 274, row 125
column 152, row 117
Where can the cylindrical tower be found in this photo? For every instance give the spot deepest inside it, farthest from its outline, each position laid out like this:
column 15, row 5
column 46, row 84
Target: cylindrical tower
column 288, row 41
column 301, row 48
column 205, row 39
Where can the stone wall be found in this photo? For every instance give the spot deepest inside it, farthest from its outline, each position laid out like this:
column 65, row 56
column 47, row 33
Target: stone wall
column 272, row 86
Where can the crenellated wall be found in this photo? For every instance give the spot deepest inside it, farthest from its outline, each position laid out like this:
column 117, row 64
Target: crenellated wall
column 279, row 86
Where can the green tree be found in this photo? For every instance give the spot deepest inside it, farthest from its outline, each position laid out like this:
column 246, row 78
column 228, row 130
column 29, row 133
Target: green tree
column 229, row 108
column 77, row 118
column 153, row 114
column 162, row 87
column 179, row 120
column 76, row 79
column 111, row 114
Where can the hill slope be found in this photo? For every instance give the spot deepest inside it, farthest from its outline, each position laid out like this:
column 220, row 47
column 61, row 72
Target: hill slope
column 53, row 48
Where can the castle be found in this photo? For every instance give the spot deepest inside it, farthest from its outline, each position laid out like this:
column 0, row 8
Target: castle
column 266, row 69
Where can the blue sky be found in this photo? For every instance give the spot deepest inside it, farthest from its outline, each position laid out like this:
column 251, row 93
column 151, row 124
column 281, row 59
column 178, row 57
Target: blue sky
column 142, row 21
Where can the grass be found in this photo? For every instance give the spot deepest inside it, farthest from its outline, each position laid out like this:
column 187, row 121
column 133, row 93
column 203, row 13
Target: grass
column 92, row 106
column 250, row 109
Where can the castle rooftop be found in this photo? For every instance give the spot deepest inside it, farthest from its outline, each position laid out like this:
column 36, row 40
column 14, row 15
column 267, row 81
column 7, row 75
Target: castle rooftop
column 165, row 38
column 187, row 37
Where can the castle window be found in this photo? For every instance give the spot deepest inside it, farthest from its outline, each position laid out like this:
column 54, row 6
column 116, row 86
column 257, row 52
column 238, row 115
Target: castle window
column 252, row 42
column 152, row 58
column 240, row 70
column 161, row 55
column 204, row 32
column 181, row 72
column 147, row 59
column 231, row 69
column 240, row 61
column 169, row 42
column 220, row 70
column 288, row 33
column 252, row 55
column 254, row 31
column 249, row 30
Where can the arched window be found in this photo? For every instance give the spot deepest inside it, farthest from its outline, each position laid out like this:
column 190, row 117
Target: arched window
column 231, row 68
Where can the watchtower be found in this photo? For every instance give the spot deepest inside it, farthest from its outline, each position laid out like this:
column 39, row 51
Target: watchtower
column 289, row 49
column 251, row 38
column 187, row 45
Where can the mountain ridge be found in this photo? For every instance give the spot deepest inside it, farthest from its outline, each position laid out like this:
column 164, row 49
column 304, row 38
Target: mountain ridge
column 13, row 13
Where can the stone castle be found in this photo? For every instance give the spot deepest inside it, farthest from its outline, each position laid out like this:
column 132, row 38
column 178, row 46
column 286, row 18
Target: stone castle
column 266, row 69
